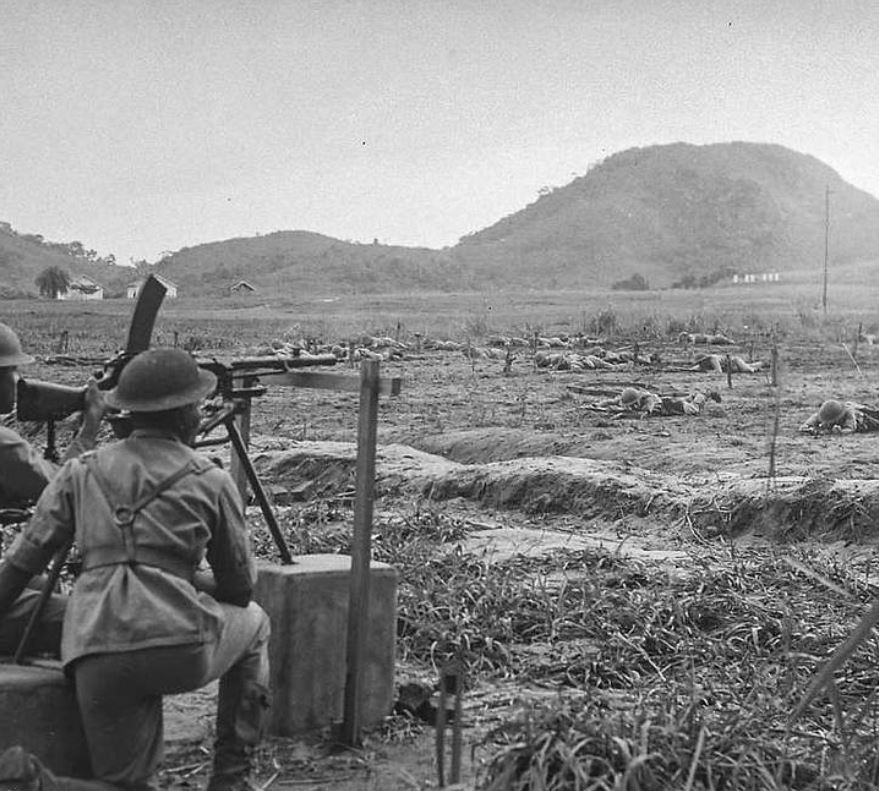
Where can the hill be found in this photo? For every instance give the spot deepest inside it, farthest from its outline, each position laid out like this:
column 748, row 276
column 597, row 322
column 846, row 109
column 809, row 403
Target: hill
column 664, row 215
column 24, row 256
column 301, row 262
column 671, row 214
column 678, row 212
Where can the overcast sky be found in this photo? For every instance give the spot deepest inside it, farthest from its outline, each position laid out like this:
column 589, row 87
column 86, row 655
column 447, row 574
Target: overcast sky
column 138, row 126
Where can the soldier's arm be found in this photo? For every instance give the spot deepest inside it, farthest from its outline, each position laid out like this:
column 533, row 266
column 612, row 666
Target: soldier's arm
column 811, row 424
column 92, row 415
column 25, row 472
column 228, row 552
column 849, row 423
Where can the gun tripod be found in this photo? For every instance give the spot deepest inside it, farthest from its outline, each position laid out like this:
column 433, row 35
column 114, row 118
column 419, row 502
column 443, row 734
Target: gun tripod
column 226, row 416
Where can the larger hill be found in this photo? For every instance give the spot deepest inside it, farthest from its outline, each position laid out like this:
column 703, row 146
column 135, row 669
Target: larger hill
column 670, row 214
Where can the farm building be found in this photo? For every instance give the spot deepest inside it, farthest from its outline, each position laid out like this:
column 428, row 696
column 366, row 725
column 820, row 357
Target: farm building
column 134, row 288
column 241, row 287
column 81, row 288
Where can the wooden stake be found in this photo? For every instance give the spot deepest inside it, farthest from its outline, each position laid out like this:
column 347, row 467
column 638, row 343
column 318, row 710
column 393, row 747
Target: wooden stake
column 242, row 419
column 358, row 602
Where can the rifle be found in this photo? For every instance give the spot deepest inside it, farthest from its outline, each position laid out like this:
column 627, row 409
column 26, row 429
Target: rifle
column 46, row 402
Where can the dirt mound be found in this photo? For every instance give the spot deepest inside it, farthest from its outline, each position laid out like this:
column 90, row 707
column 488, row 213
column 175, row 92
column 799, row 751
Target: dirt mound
column 785, row 509
column 791, row 509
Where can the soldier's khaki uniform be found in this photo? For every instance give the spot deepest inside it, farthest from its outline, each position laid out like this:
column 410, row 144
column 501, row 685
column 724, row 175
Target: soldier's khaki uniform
column 136, row 626
column 855, row 418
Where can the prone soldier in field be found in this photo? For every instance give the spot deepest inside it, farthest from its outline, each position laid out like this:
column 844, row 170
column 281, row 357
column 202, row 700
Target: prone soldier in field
column 840, row 417
column 24, row 474
column 722, row 363
column 145, row 619
column 643, row 402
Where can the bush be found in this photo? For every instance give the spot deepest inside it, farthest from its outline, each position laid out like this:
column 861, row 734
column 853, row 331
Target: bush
column 636, row 282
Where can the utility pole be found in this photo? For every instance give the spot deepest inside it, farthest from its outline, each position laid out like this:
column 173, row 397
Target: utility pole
column 826, row 243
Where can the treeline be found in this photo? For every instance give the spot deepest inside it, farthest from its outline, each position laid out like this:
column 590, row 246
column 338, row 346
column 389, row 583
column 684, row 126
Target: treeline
column 76, row 249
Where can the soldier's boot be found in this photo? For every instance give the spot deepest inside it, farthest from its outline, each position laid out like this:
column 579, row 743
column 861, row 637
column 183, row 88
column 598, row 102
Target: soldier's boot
column 241, row 716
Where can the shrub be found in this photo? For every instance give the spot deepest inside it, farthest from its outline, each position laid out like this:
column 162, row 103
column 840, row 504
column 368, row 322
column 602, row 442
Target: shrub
column 636, row 282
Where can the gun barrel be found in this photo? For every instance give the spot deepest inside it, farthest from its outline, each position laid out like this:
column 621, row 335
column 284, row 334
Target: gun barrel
column 40, row 401
column 276, row 364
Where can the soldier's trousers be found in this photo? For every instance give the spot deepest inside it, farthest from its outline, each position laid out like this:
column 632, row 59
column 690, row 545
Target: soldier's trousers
column 46, row 637
column 120, row 700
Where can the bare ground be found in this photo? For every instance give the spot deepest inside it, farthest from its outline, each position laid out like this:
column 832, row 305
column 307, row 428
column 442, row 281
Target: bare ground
column 528, row 465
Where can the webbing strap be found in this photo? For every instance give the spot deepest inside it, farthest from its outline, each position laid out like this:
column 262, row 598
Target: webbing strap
column 124, row 516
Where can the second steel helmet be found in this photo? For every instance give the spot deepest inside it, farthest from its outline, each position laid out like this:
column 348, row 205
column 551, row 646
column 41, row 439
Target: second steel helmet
column 831, row 411
column 11, row 354
column 629, row 396
column 160, row 379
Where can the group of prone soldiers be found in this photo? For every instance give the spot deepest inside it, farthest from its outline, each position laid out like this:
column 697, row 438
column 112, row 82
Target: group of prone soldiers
column 833, row 417
column 162, row 603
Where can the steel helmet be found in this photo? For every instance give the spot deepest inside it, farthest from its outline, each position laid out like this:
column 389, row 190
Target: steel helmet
column 629, row 396
column 831, row 411
column 160, row 379
column 11, row 354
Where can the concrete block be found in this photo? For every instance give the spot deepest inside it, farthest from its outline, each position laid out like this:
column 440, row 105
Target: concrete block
column 39, row 712
column 308, row 606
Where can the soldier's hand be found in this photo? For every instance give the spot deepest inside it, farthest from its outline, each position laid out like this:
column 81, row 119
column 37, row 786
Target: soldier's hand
column 95, row 407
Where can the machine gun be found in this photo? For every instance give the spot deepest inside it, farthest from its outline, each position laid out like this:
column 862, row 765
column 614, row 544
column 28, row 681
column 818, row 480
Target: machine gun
column 46, row 402
column 238, row 383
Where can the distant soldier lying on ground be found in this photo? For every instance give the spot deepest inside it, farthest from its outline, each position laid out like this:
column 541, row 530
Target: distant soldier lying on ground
column 718, row 339
column 634, row 399
column 718, row 363
column 842, row 418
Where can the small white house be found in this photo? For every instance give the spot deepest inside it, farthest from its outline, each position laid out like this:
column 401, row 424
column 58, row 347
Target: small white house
column 241, row 287
column 82, row 288
column 134, row 288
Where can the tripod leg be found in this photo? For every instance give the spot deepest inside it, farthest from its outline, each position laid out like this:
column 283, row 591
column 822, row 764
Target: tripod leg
column 258, row 491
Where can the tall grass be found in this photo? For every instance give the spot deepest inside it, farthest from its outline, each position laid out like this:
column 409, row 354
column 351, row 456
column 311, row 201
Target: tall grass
column 665, row 681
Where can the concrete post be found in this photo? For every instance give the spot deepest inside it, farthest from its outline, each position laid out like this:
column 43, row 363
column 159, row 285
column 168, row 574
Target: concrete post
column 308, row 606
column 38, row 711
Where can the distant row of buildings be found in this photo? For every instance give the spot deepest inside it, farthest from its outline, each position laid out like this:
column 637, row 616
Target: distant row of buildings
column 84, row 288
column 763, row 277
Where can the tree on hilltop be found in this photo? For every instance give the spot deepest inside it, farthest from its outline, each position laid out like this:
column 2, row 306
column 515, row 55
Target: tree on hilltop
column 52, row 281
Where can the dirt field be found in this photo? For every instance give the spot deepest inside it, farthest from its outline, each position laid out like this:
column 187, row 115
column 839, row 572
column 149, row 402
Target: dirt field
column 525, row 470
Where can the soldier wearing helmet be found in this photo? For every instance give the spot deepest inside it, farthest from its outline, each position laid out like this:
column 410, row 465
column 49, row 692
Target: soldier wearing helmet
column 23, row 471
column 636, row 399
column 144, row 620
column 24, row 474
column 631, row 399
column 841, row 417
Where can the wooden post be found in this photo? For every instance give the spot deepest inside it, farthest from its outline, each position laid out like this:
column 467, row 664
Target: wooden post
column 360, row 549
column 774, row 367
column 728, row 370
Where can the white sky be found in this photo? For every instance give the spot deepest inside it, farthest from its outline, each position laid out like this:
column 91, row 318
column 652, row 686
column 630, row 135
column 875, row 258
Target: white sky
column 137, row 126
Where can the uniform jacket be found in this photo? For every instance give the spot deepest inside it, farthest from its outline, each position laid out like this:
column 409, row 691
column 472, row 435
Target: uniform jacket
column 136, row 586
